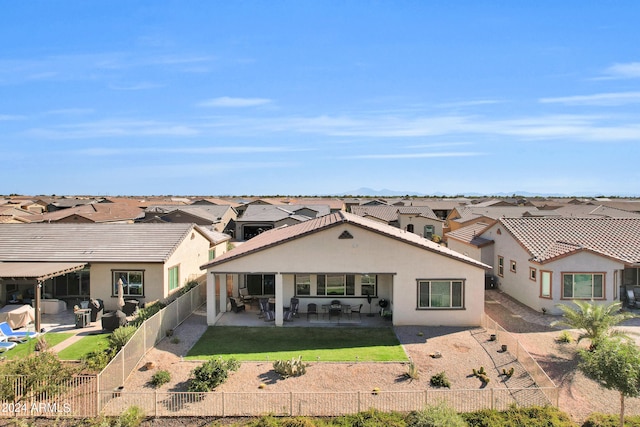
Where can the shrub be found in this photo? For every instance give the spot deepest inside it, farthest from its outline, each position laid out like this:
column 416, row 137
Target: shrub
column 440, row 380
column 132, row 417
column 297, row 422
column 99, row 359
column 373, row 418
column 290, row 368
column 412, row 371
column 436, row 416
column 609, row 420
column 564, row 337
column 120, row 337
column 43, row 374
column 160, row 378
column 534, row 416
column 211, row 374
column 146, row 312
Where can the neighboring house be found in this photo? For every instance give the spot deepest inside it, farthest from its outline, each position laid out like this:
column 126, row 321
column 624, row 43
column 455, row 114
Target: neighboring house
column 542, row 262
column 468, row 242
column 92, row 213
column 154, row 260
column 584, row 211
column 415, row 219
column 420, row 220
column 463, row 216
column 259, row 218
column 343, row 256
column 218, row 216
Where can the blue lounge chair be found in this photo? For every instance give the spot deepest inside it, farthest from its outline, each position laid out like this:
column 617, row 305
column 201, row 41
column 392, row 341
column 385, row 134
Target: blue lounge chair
column 4, row 346
column 12, row 335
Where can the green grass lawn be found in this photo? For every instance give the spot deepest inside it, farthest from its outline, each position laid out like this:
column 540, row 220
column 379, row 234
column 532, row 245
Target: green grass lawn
column 27, row 347
column 324, row 344
column 84, row 346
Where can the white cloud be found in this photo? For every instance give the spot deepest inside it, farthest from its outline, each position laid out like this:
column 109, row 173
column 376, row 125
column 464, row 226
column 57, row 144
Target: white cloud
column 226, row 101
column 601, row 99
column 9, row 117
column 470, row 103
column 114, row 128
column 630, row 70
column 104, row 151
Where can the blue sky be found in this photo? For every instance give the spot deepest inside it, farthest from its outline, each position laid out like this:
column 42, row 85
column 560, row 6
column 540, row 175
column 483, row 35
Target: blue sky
column 319, row 97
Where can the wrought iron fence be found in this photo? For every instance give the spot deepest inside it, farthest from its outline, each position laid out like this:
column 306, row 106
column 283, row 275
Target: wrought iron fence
column 76, row 397
column 113, row 377
column 247, row 404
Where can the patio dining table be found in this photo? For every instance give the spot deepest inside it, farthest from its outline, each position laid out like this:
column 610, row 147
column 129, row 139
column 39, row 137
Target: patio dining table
column 339, row 308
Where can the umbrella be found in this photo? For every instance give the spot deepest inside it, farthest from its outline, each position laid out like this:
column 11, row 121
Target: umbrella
column 120, row 293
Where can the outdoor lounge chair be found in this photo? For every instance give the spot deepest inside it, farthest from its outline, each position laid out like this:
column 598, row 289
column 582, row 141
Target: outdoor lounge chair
column 12, row 335
column 244, row 296
column 357, row 309
column 5, row 345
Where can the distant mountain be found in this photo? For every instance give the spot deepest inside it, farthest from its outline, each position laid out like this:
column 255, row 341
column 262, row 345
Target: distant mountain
column 368, row 192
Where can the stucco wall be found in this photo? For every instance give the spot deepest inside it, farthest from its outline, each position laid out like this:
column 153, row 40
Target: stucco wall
column 419, row 223
column 101, row 281
column 519, row 286
column 369, row 252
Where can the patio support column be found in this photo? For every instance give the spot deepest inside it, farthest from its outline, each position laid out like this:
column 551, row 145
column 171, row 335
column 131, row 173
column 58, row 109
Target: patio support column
column 211, row 298
column 279, row 314
column 223, row 293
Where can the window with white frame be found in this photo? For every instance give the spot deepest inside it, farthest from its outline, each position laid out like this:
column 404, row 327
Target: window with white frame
column 440, row 294
column 132, row 282
column 212, row 253
column 303, row 284
column 583, row 285
column 428, row 231
column 368, row 285
column 533, row 274
column 500, row 266
column 512, row 266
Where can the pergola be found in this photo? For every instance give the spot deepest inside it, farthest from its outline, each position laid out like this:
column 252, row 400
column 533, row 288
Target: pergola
column 35, row 273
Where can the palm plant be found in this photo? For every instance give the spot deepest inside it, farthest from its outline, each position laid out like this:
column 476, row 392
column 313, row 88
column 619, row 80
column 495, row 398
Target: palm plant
column 596, row 320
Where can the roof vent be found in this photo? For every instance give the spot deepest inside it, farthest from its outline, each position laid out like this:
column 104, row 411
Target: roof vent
column 345, row 235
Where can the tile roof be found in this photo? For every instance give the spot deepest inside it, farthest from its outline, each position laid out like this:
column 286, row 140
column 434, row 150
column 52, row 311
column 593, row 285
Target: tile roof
column 548, row 238
column 91, row 242
column 383, row 212
column 585, row 211
column 95, row 212
column 471, row 234
column 423, row 211
column 468, row 213
column 278, row 212
column 281, row 235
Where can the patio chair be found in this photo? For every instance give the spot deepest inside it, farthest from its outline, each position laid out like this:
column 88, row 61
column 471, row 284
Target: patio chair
column 312, row 309
column 236, row 305
column 357, row 309
column 264, row 306
column 295, row 306
column 335, row 309
column 244, row 295
column 269, row 316
column 97, row 308
column 12, row 335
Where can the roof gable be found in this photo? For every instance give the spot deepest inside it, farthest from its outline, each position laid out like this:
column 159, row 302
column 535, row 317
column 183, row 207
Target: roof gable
column 284, row 234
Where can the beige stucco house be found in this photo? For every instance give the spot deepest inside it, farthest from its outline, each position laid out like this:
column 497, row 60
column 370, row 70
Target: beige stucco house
column 154, row 260
column 343, row 256
column 543, row 262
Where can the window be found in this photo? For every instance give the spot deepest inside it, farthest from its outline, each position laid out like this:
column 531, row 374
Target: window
column 512, row 266
column 212, row 253
column 440, row 294
column 174, row 278
column 500, row 266
column 336, row 284
column 368, row 284
column 303, row 284
column 261, row 284
column 583, row 285
column 428, row 231
column 545, row 284
column 532, row 274
column 132, row 282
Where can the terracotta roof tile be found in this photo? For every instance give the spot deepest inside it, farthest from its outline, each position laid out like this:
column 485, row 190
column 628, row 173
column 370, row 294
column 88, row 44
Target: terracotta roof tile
column 547, row 238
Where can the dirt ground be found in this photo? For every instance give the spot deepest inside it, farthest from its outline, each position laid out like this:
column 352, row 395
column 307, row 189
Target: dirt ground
column 462, row 349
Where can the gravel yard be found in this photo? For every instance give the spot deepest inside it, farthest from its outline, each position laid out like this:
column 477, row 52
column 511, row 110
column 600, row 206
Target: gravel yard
column 461, row 349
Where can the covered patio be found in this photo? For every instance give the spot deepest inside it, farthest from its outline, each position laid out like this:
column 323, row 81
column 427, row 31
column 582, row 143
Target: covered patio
column 251, row 315
column 29, row 278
